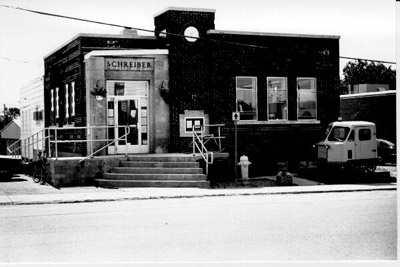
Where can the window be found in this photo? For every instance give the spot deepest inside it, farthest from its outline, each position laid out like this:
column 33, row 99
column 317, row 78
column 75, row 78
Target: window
column 70, row 103
column 364, row 134
column 277, row 98
column 306, row 99
column 66, row 102
column 52, row 99
column 57, row 104
column 338, row 134
column 246, row 97
column 127, row 88
column 72, row 95
column 38, row 115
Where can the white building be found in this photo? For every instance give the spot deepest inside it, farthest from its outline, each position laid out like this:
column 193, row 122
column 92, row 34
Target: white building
column 32, row 116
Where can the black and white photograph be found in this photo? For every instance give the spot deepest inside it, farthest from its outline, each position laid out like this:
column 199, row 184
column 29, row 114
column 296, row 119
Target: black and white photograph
column 199, row 133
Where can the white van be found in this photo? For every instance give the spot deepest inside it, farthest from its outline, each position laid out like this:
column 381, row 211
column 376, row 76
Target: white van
column 350, row 144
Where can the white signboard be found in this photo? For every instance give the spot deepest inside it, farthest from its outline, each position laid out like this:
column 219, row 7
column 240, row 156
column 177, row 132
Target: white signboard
column 235, row 116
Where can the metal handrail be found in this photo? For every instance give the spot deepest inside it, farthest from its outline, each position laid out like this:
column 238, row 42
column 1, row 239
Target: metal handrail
column 15, row 149
column 57, row 141
column 45, row 139
column 119, row 139
column 203, row 151
column 200, row 144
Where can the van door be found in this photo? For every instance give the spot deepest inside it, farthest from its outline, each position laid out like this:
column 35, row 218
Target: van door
column 365, row 145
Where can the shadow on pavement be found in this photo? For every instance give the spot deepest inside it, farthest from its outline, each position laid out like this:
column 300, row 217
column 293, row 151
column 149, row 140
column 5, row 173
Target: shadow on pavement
column 14, row 178
column 343, row 177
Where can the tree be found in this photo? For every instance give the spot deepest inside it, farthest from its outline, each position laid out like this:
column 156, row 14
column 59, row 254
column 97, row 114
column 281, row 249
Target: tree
column 364, row 72
column 9, row 115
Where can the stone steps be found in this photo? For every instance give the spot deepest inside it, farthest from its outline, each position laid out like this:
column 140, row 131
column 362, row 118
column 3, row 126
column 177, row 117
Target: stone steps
column 155, row 171
column 138, row 183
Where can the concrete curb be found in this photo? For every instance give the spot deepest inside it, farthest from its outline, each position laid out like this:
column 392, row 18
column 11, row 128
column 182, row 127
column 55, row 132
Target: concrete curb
column 77, row 198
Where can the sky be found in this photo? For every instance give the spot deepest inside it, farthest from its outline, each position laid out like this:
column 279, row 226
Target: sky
column 367, row 28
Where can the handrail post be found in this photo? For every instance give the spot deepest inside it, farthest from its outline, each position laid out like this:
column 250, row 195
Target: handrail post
column 37, row 141
column 91, row 140
column 219, row 138
column 43, row 142
column 194, row 141
column 126, row 140
column 55, row 142
column 207, row 164
column 48, row 142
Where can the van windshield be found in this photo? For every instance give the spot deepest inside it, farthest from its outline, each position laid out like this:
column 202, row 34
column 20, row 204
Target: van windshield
column 338, row 134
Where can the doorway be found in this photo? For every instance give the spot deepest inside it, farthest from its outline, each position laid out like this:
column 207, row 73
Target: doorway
column 127, row 115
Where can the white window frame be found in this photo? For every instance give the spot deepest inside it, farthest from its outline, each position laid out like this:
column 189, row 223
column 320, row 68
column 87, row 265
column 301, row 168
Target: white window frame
column 52, row 99
column 72, row 99
column 316, row 98
column 57, row 103
column 287, row 99
column 66, row 102
column 253, row 97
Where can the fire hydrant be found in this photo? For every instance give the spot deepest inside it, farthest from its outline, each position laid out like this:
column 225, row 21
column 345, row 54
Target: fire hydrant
column 244, row 166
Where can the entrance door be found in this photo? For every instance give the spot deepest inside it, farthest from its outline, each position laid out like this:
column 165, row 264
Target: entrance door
column 127, row 103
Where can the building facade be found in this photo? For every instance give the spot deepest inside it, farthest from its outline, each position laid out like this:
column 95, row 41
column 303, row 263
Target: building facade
column 32, row 116
column 283, row 86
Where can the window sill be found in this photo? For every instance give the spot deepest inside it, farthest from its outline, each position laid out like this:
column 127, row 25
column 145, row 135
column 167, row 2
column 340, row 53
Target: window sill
column 277, row 122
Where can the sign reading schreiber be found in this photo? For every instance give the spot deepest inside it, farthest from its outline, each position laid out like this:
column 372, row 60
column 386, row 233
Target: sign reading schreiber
column 134, row 64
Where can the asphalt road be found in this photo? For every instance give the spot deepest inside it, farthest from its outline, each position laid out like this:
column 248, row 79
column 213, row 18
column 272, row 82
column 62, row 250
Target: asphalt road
column 311, row 227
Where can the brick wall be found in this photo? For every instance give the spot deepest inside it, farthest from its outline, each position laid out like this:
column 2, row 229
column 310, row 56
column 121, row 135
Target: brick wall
column 202, row 76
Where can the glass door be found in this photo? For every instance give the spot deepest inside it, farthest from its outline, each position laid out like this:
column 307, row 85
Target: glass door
column 131, row 112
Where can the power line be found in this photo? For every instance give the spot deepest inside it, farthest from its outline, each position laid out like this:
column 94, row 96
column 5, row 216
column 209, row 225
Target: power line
column 172, row 34
column 380, row 61
column 20, row 61
column 129, row 27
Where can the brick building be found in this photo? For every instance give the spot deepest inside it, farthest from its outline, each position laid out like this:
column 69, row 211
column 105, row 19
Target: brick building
column 284, row 87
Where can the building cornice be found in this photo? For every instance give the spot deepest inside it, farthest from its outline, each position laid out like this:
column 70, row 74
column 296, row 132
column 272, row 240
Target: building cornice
column 204, row 10
column 273, row 34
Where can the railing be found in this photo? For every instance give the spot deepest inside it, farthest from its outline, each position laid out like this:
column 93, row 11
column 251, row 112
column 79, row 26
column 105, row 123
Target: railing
column 123, row 137
column 25, row 147
column 90, row 140
column 199, row 144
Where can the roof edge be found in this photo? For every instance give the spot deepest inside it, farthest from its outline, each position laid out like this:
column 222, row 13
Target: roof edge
column 369, row 94
column 125, row 53
column 189, row 9
column 274, row 34
column 149, row 37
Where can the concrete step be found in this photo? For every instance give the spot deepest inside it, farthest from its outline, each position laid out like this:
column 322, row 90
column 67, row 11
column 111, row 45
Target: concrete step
column 157, row 177
column 160, row 158
column 152, row 183
column 156, row 170
column 150, row 164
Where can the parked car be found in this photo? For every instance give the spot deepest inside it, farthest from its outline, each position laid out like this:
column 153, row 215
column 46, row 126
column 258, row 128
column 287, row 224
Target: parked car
column 386, row 151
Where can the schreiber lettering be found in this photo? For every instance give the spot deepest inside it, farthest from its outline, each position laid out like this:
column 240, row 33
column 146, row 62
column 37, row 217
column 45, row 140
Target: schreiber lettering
column 130, row 64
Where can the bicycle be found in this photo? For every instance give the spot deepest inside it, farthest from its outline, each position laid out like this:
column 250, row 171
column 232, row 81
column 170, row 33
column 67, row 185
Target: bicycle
column 211, row 142
column 39, row 174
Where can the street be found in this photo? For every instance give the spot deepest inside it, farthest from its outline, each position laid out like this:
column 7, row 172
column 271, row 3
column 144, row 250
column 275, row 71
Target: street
column 287, row 227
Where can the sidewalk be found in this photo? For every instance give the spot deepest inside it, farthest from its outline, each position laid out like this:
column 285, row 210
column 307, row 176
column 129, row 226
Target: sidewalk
column 21, row 190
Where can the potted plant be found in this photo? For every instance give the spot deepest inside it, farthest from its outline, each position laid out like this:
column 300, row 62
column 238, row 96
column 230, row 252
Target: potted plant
column 98, row 91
